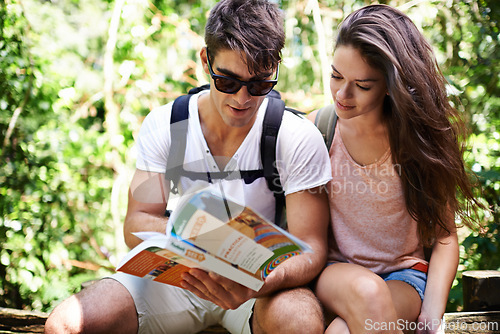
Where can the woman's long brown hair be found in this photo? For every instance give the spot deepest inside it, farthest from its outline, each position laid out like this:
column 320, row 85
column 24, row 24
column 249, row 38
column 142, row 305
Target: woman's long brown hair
column 426, row 133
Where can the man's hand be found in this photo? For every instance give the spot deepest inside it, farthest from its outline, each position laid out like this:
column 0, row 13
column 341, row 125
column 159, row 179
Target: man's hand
column 217, row 289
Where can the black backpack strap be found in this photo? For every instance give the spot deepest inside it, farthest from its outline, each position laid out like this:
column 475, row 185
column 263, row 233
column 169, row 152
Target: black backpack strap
column 325, row 121
column 270, row 128
column 198, row 89
column 178, row 132
column 248, row 176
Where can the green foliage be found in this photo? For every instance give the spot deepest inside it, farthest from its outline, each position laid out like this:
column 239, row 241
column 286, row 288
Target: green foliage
column 52, row 181
column 469, row 45
column 68, row 157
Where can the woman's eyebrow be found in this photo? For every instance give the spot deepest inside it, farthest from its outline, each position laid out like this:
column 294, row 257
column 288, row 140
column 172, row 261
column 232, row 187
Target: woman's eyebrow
column 357, row 80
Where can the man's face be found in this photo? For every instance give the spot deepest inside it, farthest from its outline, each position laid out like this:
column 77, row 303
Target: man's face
column 238, row 109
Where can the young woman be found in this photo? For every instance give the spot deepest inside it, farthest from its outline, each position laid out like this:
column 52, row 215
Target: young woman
column 397, row 169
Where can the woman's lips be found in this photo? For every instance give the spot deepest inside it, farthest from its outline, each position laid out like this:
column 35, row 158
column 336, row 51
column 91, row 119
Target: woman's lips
column 343, row 106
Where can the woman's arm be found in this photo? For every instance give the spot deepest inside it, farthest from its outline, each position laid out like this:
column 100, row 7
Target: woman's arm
column 442, row 270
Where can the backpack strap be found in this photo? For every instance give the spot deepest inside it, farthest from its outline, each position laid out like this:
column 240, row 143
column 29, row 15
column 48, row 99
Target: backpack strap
column 196, row 90
column 178, row 136
column 270, row 128
column 178, row 133
column 248, row 176
column 325, row 121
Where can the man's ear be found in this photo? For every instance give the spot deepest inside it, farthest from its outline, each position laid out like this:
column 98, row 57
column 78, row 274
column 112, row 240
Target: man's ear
column 203, row 58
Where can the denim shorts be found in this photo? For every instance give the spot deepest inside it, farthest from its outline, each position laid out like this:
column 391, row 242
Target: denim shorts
column 415, row 278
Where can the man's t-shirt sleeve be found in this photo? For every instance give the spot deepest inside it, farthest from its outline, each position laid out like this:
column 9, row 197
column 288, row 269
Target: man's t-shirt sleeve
column 153, row 142
column 303, row 161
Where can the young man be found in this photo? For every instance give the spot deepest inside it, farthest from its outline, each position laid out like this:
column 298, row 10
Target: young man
column 244, row 39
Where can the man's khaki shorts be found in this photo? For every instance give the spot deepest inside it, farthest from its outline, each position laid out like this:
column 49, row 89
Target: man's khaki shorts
column 162, row 308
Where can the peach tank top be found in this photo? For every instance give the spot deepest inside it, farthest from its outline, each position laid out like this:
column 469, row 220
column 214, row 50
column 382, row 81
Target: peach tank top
column 370, row 223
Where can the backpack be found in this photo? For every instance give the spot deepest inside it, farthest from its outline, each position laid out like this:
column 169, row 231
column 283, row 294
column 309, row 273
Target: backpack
column 270, row 127
column 325, row 121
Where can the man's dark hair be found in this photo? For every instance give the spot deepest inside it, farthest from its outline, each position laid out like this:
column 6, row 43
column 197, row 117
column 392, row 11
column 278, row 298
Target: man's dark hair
column 253, row 27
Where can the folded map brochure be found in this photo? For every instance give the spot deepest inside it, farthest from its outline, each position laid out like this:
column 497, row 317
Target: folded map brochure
column 214, row 233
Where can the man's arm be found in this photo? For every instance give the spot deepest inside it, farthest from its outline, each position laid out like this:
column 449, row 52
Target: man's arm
column 147, row 201
column 308, row 217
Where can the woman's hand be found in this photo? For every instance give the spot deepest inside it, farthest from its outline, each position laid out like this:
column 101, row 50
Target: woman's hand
column 429, row 324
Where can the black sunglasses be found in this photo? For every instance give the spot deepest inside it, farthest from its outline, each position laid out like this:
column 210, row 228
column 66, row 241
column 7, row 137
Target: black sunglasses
column 230, row 85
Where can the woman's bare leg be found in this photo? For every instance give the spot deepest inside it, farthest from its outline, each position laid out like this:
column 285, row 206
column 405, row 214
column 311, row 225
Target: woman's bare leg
column 365, row 301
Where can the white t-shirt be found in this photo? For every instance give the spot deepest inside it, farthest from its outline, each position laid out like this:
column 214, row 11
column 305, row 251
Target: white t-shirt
column 301, row 155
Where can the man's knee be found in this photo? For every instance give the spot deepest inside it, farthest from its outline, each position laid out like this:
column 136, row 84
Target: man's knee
column 289, row 311
column 104, row 307
column 65, row 318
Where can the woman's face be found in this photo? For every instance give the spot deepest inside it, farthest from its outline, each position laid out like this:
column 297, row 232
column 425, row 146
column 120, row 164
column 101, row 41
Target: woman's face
column 357, row 88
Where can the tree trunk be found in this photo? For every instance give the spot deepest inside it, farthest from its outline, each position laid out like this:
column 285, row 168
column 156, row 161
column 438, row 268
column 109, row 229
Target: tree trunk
column 481, row 289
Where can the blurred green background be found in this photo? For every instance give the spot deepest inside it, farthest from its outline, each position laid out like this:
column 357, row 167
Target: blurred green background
column 77, row 78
